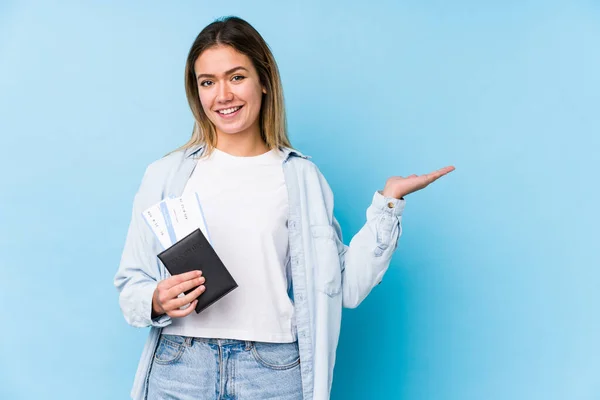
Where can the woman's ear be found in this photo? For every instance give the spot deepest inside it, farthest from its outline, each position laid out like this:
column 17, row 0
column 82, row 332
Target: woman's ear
column 264, row 90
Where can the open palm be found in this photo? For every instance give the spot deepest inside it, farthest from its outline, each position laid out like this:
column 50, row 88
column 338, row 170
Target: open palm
column 398, row 186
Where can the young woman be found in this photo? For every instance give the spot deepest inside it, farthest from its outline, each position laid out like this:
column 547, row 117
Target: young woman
column 269, row 213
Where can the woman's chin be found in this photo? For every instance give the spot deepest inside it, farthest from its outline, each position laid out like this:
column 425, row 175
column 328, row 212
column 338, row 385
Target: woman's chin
column 230, row 130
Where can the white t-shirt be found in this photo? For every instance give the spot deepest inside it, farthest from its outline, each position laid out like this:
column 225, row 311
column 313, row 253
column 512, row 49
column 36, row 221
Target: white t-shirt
column 245, row 204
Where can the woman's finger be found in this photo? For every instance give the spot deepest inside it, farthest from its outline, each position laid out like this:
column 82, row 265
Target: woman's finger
column 182, row 313
column 183, row 287
column 188, row 298
column 179, row 278
column 432, row 176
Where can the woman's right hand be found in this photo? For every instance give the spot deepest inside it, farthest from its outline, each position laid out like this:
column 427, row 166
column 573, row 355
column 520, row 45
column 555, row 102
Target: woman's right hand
column 165, row 299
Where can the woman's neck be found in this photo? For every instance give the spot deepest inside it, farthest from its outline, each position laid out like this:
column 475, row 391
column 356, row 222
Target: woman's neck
column 241, row 145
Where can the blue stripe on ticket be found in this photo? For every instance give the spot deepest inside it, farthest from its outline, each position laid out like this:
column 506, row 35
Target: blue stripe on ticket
column 165, row 211
column 203, row 219
column 153, row 231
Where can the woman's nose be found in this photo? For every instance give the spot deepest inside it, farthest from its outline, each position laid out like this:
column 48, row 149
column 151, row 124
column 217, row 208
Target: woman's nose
column 224, row 93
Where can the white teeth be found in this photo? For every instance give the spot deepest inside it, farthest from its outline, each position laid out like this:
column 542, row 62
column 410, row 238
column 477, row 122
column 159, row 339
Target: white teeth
column 229, row 110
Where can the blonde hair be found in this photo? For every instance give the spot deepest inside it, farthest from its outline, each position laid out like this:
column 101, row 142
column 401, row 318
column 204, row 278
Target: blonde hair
column 239, row 34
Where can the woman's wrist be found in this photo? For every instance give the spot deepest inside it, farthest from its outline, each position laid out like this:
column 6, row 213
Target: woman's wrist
column 388, row 194
column 156, row 311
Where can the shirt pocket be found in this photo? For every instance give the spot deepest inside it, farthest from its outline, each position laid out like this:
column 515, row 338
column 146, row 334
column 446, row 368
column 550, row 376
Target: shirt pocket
column 328, row 267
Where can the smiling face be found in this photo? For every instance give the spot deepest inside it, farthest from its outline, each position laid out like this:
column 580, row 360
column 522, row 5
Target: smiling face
column 230, row 90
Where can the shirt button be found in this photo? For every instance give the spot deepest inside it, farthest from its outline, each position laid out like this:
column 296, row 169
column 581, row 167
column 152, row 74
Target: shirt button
column 390, row 205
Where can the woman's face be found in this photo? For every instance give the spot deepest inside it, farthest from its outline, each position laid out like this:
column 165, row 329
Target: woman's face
column 229, row 90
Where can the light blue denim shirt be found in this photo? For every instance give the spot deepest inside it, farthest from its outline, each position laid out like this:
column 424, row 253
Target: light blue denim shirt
column 325, row 273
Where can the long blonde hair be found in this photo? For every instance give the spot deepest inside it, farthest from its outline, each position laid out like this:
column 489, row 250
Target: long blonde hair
column 239, row 34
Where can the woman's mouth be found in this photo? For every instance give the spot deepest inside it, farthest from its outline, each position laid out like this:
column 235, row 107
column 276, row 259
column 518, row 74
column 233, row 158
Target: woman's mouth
column 229, row 112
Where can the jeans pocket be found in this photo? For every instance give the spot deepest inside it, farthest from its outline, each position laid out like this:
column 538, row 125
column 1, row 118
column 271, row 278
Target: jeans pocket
column 277, row 356
column 170, row 349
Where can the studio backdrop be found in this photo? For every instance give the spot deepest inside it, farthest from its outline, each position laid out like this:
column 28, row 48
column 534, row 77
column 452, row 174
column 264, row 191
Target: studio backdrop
column 493, row 291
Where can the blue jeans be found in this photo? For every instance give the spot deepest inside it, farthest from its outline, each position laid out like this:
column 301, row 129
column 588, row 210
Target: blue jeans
column 188, row 368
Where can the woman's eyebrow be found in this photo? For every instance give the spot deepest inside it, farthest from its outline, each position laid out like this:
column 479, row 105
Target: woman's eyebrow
column 226, row 73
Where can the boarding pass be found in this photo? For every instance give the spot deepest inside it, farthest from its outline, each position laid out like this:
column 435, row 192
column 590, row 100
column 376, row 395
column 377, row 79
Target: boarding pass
column 174, row 218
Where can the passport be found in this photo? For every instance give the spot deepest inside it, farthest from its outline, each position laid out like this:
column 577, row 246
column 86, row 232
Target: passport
column 194, row 252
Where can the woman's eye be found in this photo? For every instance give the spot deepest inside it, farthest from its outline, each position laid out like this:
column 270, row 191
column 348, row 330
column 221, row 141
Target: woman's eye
column 205, row 83
column 238, row 76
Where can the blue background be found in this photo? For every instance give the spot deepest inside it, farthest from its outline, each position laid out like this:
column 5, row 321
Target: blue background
column 494, row 290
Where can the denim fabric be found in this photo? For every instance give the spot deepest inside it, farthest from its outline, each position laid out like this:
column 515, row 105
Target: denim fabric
column 186, row 368
column 326, row 274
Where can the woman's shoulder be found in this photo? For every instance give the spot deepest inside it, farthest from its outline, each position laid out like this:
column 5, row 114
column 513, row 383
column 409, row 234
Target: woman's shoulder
column 299, row 159
column 157, row 173
column 166, row 163
column 304, row 163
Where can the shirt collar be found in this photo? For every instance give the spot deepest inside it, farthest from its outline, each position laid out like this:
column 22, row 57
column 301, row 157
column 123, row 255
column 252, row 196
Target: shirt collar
column 199, row 148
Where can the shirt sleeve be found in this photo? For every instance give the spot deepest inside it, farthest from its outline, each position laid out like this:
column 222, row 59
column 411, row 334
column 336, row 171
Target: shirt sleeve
column 367, row 258
column 137, row 276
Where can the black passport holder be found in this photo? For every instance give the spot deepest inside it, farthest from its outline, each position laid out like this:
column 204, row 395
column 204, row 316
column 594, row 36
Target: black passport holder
column 194, row 252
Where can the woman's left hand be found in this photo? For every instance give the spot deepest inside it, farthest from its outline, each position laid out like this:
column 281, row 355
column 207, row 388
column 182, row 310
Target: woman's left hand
column 398, row 187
